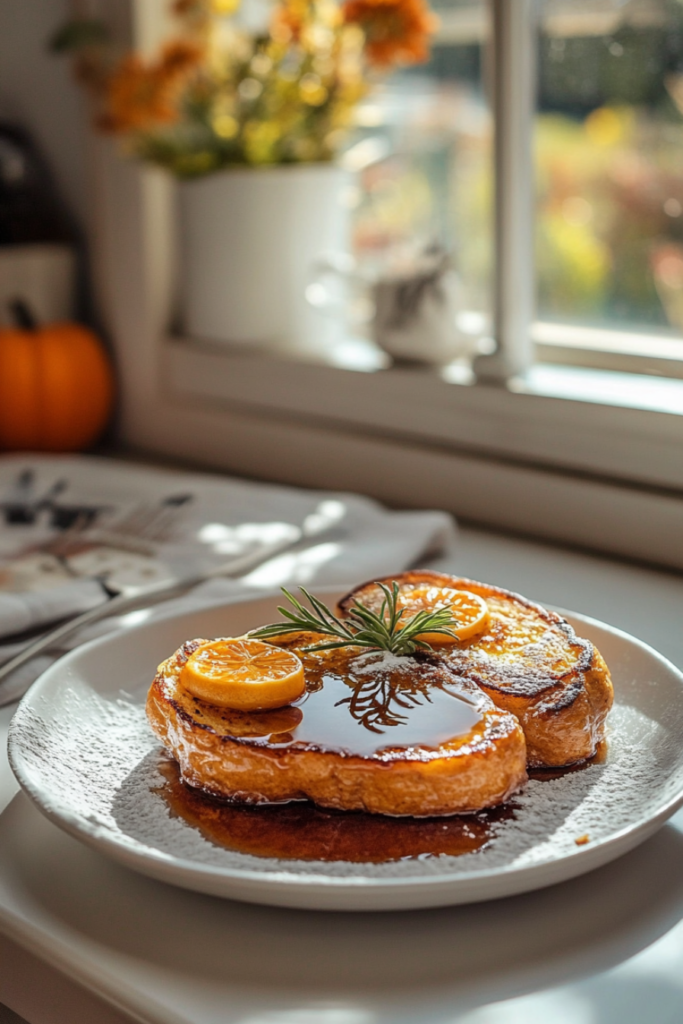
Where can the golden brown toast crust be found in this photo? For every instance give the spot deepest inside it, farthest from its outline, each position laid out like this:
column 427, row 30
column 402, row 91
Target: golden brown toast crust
column 218, row 752
column 531, row 663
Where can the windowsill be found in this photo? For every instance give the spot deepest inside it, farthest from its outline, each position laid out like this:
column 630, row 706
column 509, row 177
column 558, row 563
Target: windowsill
column 618, row 426
column 649, row 354
column 604, row 387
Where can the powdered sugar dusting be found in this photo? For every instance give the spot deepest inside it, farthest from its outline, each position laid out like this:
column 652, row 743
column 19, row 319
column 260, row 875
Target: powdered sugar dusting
column 374, row 661
column 95, row 763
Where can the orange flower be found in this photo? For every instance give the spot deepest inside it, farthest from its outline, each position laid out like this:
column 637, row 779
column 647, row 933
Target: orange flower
column 396, row 31
column 288, row 20
column 178, row 57
column 181, row 8
column 140, row 97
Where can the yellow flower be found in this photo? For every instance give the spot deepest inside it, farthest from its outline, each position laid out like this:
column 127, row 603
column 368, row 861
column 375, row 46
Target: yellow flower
column 224, row 8
column 225, row 126
column 606, row 126
column 260, row 140
column 312, row 91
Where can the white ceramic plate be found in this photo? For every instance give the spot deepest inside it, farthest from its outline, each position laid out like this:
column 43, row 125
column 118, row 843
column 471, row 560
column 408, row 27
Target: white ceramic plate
column 81, row 749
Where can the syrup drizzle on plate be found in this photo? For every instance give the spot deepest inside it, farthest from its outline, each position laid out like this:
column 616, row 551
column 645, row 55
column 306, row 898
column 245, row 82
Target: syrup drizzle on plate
column 302, row 831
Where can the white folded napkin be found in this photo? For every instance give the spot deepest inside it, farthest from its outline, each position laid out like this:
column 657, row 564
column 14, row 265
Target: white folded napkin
column 22, row 611
column 346, row 539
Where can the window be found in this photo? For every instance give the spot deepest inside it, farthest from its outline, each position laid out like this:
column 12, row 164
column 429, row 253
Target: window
column 608, row 142
column 432, row 181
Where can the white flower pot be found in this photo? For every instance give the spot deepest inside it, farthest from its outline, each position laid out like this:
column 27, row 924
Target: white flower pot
column 248, row 241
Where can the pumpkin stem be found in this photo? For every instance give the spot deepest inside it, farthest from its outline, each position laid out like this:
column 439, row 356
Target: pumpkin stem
column 22, row 314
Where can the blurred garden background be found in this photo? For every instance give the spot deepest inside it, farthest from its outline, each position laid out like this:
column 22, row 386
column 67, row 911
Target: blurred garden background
column 609, row 160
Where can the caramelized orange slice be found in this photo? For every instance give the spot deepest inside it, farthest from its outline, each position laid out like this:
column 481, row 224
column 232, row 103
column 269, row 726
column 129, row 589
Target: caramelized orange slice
column 242, row 674
column 470, row 611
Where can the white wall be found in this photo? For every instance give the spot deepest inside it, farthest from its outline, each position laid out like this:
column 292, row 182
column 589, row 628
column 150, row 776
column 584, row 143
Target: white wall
column 36, row 90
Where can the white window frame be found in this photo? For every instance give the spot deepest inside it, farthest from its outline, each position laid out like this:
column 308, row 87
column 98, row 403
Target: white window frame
column 513, row 44
column 581, row 455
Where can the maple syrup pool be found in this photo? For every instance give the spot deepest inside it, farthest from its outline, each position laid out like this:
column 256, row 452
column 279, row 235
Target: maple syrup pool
column 302, row 831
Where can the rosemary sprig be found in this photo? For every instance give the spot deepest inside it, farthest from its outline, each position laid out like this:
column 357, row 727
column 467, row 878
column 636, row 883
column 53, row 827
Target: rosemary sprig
column 362, row 627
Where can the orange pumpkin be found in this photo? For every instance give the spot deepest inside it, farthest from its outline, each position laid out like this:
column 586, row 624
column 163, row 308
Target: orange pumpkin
column 56, row 385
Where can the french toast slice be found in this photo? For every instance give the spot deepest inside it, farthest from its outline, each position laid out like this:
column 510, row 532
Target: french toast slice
column 373, row 732
column 530, row 662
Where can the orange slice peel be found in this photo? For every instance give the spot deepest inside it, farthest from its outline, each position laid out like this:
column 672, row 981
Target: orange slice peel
column 470, row 612
column 243, row 674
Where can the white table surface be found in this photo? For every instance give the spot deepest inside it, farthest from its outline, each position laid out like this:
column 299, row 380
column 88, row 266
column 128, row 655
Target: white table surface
column 81, row 934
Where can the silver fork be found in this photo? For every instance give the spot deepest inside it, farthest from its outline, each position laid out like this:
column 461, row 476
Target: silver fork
column 136, row 532
column 147, row 521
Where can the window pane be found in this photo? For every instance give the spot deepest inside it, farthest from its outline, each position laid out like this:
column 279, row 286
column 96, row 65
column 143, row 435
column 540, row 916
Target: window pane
column 609, row 152
column 431, row 180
